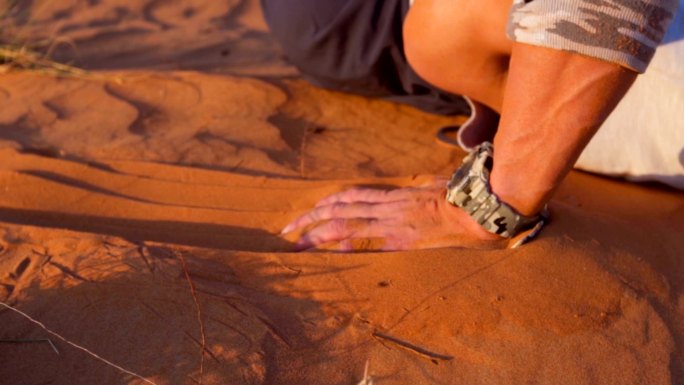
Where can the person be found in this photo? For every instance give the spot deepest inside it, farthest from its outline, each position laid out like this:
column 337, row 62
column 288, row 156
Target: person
column 554, row 78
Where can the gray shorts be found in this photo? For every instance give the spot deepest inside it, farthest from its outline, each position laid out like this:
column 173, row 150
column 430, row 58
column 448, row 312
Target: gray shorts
column 355, row 46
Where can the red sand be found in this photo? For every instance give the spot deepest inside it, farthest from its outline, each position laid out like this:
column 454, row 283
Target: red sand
column 109, row 183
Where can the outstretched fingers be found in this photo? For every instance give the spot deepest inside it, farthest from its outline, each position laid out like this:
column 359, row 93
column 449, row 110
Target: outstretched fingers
column 343, row 210
column 341, row 229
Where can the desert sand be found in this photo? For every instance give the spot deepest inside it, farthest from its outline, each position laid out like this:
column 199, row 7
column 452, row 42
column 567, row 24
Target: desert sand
column 140, row 207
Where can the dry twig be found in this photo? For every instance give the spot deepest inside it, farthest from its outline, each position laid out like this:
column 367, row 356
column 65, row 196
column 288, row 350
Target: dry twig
column 10, row 307
column 199, row 313
column 413, row 348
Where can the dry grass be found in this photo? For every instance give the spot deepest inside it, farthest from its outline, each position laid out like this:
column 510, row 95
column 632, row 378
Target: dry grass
column 21, row 58
column 367, row 379
column 16, row 54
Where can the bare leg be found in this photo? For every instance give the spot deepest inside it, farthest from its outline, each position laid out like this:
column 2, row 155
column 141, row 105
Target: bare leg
column 460, row 46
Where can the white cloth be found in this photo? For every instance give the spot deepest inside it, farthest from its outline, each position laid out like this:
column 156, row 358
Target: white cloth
column 643, row 139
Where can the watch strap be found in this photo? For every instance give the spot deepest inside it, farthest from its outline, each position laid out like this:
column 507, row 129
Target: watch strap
column 470, row 190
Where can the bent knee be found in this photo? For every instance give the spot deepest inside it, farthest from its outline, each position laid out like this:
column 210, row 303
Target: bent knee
column 455, row 46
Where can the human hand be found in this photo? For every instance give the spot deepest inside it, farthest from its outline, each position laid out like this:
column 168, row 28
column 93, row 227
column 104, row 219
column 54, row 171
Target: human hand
column 400, row 219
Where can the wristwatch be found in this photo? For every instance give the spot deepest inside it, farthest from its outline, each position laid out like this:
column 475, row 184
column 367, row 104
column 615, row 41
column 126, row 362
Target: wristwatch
column 470, row 190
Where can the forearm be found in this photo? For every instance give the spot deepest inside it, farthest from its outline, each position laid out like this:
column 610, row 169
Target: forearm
column 554, row 102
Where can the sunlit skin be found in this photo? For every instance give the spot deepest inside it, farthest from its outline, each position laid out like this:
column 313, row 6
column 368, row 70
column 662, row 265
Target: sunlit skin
column 551, row 104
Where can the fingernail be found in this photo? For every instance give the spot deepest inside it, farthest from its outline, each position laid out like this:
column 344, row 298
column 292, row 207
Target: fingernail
column 303, row 243
column 301, row 246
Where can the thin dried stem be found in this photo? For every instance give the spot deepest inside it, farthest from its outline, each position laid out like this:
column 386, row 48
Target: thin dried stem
column 22, row 58
column 203, row 337
column 10, row 307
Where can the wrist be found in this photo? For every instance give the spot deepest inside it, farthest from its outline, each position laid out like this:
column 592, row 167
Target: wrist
column 461, row 220
column 525, row 199
column 470, row 189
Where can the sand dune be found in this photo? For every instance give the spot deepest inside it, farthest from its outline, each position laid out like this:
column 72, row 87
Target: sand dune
column 124, row 193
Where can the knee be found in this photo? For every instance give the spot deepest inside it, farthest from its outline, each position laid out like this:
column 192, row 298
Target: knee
column 456, row 46
column 434, row 35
